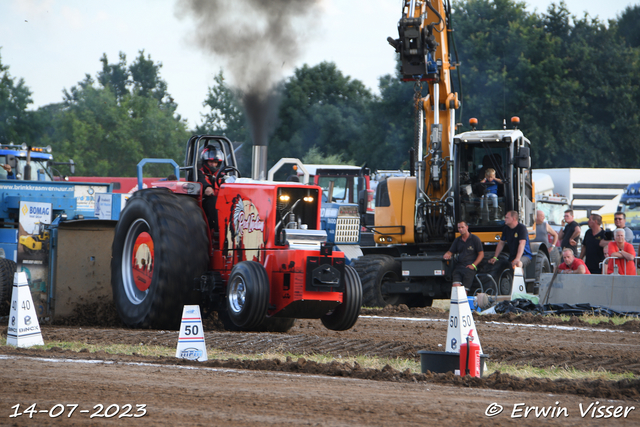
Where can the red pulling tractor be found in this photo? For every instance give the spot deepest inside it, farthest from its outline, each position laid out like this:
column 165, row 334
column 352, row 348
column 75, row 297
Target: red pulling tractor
column 264, row 265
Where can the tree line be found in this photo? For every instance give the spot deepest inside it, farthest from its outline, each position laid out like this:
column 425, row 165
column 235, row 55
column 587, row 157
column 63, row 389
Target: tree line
column 574, row 81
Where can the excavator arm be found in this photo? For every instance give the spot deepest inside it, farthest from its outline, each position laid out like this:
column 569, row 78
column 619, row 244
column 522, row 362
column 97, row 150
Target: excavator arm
column 423, row 46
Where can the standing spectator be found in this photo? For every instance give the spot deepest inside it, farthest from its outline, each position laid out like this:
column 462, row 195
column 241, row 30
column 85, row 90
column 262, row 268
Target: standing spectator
column 516, row 236
column 594, row 244
column 624, row 254
column 543, row 229
column 471, row 253
column 620, row 220
column 570, row 232
column 572, row 264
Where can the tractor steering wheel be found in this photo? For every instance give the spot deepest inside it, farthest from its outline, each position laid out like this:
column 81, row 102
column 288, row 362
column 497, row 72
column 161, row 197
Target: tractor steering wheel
column 224, row 169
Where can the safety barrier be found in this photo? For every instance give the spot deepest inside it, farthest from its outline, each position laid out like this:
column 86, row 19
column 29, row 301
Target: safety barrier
column 617, row 292
column 615, row 266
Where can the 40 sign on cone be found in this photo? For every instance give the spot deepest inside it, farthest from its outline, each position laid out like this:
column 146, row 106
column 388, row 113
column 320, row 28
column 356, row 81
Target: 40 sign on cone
column 24, row 329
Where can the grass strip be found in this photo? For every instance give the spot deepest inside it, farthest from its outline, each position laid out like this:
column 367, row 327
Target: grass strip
column 521, row 371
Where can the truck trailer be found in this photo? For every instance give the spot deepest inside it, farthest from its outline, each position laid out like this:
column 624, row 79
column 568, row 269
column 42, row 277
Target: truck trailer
column 43, row 217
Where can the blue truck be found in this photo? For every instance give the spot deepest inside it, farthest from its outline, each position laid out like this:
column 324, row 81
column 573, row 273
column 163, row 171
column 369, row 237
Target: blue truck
column 41, row 216
column 630, row 205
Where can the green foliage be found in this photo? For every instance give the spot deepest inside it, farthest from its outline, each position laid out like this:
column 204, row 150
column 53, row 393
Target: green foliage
column 108, row 127
column 15, row 120
column 388, row 135
column 321, row 108
column 573, row 81
column 627, row 25
column 316, row 157
column 226, row 117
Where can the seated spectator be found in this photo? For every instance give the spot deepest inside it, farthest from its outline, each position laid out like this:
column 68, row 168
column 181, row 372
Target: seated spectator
column 623, row 253
column 571, row 264
column 491, row 191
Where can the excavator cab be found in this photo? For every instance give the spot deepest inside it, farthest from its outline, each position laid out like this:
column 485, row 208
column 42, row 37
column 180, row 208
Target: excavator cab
column 480, row 206
column 507, row 152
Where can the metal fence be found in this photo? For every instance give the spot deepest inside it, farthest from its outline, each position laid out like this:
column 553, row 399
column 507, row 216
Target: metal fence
column 615, row 265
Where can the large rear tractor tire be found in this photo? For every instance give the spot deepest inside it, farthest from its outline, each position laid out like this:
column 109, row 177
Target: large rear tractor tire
column 7, row 273
column 248, row 295
column 345, row 315
column 160, row 251
column 374, row 271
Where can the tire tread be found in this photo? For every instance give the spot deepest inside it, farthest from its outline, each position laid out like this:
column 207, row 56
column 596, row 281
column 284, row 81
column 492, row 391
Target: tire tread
column 180, row 257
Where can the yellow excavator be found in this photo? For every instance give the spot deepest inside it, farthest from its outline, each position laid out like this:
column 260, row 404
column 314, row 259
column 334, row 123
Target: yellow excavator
column 416, row 215
column 36, row 242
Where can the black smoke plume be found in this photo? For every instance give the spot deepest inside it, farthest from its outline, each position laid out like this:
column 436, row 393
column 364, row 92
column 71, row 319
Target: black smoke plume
column 259, row 40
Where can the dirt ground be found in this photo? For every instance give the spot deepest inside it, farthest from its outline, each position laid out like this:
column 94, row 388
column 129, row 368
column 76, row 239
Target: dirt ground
column 302, row 392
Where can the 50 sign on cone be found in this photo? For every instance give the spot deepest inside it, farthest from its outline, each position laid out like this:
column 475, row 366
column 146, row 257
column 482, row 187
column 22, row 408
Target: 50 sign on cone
column 191, row 339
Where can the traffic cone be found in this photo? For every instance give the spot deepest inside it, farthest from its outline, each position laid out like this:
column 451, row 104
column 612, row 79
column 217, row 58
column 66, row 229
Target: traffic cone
column 191, row 339
column 518, row 286
column 24, row 329
column 460, row 321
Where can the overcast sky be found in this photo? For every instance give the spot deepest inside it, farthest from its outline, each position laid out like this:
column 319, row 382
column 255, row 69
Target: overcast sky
column 52, row 44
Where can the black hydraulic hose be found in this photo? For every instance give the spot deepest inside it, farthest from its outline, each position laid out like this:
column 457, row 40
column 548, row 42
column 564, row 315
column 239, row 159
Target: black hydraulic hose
column 437, row 14
column 455, row 51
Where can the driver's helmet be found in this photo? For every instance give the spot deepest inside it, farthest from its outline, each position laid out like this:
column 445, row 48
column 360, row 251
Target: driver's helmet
column 212, row 153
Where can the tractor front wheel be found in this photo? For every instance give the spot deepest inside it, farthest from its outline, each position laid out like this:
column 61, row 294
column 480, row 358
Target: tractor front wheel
column 248, row 295
column 345, row 315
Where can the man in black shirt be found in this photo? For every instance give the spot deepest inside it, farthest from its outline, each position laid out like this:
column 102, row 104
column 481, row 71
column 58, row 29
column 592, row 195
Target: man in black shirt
column 469, row 248
column 570, row 233
column 516, row 236
column 593, row 244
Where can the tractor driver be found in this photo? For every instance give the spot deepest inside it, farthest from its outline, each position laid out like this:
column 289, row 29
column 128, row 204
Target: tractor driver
column 212, row 159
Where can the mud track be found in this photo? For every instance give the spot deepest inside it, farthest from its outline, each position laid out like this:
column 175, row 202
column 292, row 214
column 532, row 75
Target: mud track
column 390, row 333
column 399, row 332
